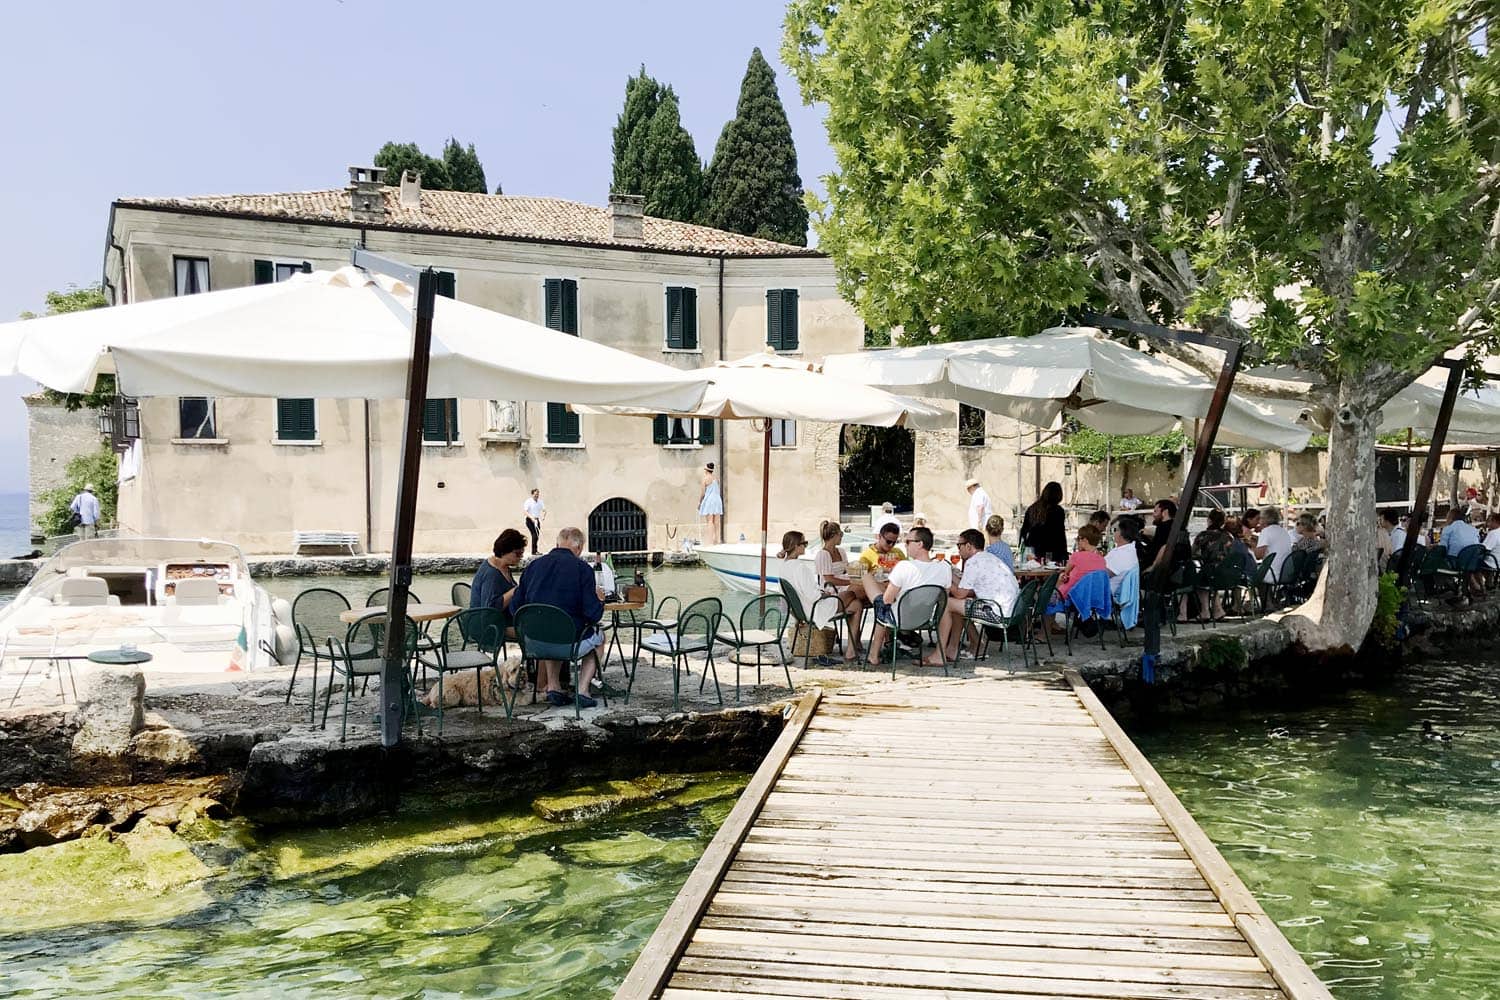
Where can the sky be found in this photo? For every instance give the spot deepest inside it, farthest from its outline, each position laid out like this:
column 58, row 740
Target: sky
column 164, row 97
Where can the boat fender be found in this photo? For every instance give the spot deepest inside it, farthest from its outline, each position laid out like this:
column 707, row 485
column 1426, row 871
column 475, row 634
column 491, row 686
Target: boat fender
column 281, row 611
column 286, row 644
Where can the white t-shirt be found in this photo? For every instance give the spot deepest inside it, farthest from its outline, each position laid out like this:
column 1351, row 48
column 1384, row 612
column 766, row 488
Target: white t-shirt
column 1129, row 503
column 534, row 509
column 909, row 573
column 1398, row 539
column 1120, row 560
column 1277, row 542
column 991, row 579
column 1492, row 543
column 980, row 508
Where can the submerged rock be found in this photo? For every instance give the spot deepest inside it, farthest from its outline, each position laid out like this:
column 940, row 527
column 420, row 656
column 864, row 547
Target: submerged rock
column 607, row 798
column 49, row 814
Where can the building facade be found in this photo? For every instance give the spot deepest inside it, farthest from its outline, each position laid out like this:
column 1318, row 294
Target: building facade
column 252, row 471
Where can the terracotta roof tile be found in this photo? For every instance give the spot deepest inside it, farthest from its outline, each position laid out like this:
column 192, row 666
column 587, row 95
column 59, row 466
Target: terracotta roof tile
column 548, row 219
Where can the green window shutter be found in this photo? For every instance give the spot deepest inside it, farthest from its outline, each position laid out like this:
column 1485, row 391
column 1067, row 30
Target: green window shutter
column 440, row 420
column 659, row 429
column 674, row 317
column 705, row 432
column 265, row 272
column 773, row 318
column 789, row 331
column 569, row 306
column 562, row 425
column 690, row 319
column 447, row 284
column 296, row 419
column 552, row 304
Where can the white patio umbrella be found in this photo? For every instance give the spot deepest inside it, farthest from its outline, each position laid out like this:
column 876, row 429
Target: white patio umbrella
column 343, row 334
column 1475, row 419
column 1105, row 384
column 769, row 387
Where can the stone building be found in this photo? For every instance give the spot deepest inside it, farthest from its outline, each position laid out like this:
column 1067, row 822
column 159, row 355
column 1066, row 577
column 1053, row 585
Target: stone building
column 56, row 436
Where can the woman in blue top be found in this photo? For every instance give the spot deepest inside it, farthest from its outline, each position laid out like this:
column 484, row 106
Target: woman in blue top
column 711, row 504
column 495, row 581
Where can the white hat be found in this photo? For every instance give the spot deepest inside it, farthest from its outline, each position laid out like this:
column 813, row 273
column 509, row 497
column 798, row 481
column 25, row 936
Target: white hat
column 970, row 482
column 88, row 487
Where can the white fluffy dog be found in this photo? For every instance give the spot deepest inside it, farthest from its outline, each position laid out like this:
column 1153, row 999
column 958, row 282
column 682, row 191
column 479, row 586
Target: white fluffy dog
column 462, row 688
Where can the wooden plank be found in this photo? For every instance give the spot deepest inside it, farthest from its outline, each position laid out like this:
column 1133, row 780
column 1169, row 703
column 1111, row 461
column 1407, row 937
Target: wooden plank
column 853, row 873
column 959, row 826
column 1291, row 971
column 857, row 841
column 695, row 987
column 849, row 904
column 1026, row 863
column 1057, row 897
column 654, row 965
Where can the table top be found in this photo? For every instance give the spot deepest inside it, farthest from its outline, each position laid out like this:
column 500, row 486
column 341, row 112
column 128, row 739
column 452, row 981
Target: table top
column 120, row 656
column 416, row 612
column 1038, row 571
column 624, row 606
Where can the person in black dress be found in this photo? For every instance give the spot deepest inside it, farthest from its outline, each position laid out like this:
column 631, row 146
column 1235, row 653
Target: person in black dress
column 1043, row 527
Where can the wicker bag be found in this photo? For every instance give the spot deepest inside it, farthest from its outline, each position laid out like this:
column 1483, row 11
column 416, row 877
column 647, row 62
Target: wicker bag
column 822, row 641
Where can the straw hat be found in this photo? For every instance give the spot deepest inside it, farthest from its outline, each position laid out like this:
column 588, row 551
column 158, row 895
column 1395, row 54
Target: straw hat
column 970, row 483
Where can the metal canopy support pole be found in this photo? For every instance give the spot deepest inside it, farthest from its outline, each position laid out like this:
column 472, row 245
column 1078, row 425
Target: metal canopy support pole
column 1158, row 574
column 1429, row 470
column 765, row 503
column 393, row 671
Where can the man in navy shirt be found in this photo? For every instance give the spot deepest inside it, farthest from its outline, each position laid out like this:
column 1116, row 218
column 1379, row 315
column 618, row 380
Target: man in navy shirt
column 562, row 579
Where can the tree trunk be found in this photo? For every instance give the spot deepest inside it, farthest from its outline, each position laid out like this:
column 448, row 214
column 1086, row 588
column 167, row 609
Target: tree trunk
column 1337, row 617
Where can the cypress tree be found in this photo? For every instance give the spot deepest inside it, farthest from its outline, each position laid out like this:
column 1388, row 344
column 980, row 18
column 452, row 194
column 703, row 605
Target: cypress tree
column 753, row 184
column 397, row 157
column 673, row 174
column 465, row 172
column 642, row 97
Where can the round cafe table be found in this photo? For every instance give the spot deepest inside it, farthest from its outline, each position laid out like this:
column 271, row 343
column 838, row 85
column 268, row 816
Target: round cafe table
column 119, row 657
column 1037, row 573
column 615, row 609
column 416, row 612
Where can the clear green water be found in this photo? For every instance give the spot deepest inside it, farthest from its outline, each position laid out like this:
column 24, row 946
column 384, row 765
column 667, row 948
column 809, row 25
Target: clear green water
column 452, row 904
column 1377, row 850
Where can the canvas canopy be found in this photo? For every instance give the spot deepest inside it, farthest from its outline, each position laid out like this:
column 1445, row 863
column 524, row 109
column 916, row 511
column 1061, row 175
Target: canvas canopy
column 1475, row 419
column 1106, row 385
column 342, row 334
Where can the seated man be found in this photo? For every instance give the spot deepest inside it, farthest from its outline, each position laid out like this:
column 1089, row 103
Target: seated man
column 1122, row 557
column 1492, row 543
column 1458, row 534
column 879, row 558
column 987, row 590
column 562, row 579
column 916, row 570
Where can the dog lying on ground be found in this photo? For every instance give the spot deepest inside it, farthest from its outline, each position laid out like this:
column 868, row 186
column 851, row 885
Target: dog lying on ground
column 462, row 688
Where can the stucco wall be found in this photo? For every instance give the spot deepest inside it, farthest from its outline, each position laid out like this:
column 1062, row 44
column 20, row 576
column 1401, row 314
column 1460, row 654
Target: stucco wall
column 56, row 437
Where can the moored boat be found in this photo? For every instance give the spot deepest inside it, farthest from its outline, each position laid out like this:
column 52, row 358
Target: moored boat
column 737, row 565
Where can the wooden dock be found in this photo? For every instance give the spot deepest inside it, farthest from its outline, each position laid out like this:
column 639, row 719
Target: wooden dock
column 985, row 839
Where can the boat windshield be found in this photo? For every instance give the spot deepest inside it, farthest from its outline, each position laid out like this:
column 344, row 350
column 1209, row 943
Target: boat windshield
column 144, row 552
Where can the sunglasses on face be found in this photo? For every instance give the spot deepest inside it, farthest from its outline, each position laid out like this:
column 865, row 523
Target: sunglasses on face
column 889, row 539
column 914, row 541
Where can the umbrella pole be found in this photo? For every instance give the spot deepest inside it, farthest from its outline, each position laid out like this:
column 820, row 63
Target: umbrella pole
column 765, row 502
column 393, row 671
column 1429, row 469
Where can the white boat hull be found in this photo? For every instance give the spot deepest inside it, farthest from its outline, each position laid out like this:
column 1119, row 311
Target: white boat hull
column 737, row 565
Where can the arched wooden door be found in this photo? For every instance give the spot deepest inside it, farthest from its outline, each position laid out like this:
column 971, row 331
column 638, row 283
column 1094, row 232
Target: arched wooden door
column 617, row 525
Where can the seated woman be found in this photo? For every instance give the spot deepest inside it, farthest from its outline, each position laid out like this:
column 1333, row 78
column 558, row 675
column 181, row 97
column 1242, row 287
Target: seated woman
column 495, row 581
column 994, row 531
column 1212, row 546
column 833, row 576
column 1084, row 560
column 1307, row 538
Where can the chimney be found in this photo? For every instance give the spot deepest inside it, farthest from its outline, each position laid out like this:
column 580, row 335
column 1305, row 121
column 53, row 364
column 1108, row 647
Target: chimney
column 411, row 189
column 627, row 221
column 367, row 194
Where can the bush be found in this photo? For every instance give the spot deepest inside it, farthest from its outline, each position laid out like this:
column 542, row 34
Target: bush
column 1222, row 653
column 98, row 467
column 1387, row 603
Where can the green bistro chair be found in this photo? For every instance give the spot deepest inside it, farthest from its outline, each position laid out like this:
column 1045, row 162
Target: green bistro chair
column 378, row 597
column 1184, row 586
column 361, row 656
column 1037, row 613
column 802, row 615
column 1225, row 581
column 983, row 623
column 694, row 633
column 1433, row 568
column 1117, row 610
column 461, row 594
column 762, row 623
column 315, row 619
column 470, row 640
column 543, row 626
column 1260, row 590
column 1074, row 622
column 918, row 609
column 654, row 617
column 1470, row 559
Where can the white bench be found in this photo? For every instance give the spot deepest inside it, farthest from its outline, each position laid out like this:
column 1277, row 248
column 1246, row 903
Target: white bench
column 338, row 539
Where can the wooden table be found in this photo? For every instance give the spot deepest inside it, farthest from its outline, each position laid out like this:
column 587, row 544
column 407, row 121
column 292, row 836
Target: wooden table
column 416, row 612
column 1041, row 572
column 615, row 608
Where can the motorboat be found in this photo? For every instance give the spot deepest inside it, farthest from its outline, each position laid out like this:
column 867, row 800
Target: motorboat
column 737, row 565
column 188, row 603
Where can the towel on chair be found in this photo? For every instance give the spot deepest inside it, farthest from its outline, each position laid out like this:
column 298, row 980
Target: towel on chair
column 1090, row 596
column 1129, row 598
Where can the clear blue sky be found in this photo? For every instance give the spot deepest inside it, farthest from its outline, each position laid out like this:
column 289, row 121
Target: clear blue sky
column 167, row 97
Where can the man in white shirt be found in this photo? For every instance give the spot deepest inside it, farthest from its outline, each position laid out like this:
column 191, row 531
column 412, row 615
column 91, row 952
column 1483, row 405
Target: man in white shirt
column 918, row 569
column 1129, row 501
column 1122, row 557
column 980, row 507
column 1274, row 540
column 1492, row 543
column 1458, row 534
column 534, row 510
column 988, row 587
column 86, row 506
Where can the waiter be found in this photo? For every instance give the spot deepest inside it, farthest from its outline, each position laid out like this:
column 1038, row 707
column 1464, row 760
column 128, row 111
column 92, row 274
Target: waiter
column 980, row 507
column 534, row 510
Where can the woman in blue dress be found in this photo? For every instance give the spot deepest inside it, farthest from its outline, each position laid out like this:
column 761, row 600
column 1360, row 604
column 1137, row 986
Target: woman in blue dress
column 711, row 504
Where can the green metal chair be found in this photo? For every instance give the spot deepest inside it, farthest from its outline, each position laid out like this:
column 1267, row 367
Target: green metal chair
column 918, row 609
column 1046, row 589
column 1020, row 612
column 654, row 617
column 1117, row 610
column 379, row 594
column 461, row 594
column 1225, row 581
column 762, row 623
column 361, row 656
column 315, row 618
column 694, row 633
column 552, row 627
column 470, row 640
column 1470, row 559
column 1434, row 567
column 1073, row 620
column 1185, row 585
column 1260, row 589
column 801, row 615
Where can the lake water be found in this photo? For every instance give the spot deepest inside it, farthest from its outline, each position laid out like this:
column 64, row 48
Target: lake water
column 1376, row 849
column 15, row 524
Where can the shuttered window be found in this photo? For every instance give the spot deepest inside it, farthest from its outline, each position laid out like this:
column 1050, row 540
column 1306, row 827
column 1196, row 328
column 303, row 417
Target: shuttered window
column 781, row 319
column 682, row 319
column 296, row 419
column 560, row 312
column 681, row 431
column 269, row 272
column 970, row 426
column 440, row 416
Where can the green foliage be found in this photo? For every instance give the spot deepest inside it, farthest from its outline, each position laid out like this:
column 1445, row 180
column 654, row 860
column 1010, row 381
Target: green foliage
column 875, row 466
column 465, row 172
column 77, row 299
column 1089, row 446
column 753, row 184
column 654, row 155
column 98, row 467
column 1001, row 162
column 399, row 157
column 1388, row 603
column 1222, row 654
